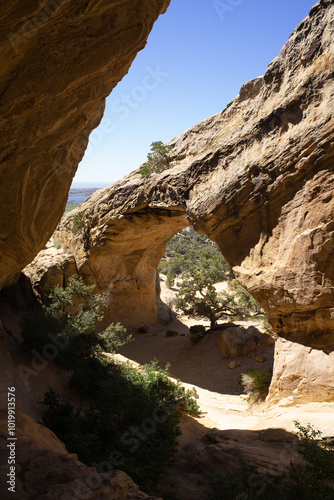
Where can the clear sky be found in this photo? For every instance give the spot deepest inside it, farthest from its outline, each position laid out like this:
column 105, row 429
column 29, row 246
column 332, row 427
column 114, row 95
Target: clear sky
column 198, row 55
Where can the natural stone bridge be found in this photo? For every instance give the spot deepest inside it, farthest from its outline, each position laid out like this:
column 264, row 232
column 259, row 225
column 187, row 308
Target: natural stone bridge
column 256, row 178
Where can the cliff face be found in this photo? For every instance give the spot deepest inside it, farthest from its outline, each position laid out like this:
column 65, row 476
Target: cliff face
column 256, row 178
column 59, row 61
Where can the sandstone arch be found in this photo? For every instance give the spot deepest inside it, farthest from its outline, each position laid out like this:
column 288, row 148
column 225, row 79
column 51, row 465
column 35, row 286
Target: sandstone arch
column 257, row 178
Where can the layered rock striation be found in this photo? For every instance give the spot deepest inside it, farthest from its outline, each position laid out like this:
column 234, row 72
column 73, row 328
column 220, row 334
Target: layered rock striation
column 60, row 59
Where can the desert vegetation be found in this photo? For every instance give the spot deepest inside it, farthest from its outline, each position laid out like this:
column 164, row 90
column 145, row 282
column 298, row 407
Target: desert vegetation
column 309, row 479
column 196, row 264
column 157, row 160
column 128, row 417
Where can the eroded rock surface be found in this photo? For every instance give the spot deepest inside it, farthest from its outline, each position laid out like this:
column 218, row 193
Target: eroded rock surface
column 45, row 470
column 60, row 59
column 301, row 375
column 257, row 178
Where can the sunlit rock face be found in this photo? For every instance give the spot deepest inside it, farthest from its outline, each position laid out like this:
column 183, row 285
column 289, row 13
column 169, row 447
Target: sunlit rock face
column 257, row 178
column 59, row 61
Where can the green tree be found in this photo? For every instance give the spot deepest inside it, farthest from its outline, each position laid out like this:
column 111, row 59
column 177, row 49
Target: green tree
column 197, row 295
column 79, row 222
column 157, row 160
column 72, row 314
column 170, row 279
column 127, row 411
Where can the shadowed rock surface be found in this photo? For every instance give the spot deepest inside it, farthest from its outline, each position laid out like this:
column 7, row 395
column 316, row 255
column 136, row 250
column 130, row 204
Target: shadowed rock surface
column 59, row 61
column 45, row 470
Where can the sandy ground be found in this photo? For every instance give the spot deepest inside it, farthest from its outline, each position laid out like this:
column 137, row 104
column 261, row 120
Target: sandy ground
column 222, row 401
column 223, row 404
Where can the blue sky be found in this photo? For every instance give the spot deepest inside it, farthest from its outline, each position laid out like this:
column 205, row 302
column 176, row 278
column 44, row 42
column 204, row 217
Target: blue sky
column 198, row 55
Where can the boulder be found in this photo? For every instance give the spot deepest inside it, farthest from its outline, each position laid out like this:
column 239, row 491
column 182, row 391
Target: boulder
column 235, row 342
column 301, row 375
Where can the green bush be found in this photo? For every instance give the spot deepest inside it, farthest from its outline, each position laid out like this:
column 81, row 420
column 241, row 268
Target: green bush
column 36, row 326
column 131, row 412
column 252, row 485
column 71, row 315
column 127, row 411
column 79, row 222
column 313, row 479
column 256, row 382
column 157, row 160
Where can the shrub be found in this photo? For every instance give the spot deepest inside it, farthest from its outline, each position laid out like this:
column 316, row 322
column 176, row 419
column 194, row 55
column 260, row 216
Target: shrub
column 170, row 279
column 128, row 411
column 252, row 485
column 72, row 315
column 311, row 480
column 157, row 160
column 256, row 382
column 131, row 412
column 79, row 222
column 314, row 479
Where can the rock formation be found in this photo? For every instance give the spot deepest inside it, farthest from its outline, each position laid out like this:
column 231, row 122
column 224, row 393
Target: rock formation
column 60, row 59
column 301, row 375
column 257, row 178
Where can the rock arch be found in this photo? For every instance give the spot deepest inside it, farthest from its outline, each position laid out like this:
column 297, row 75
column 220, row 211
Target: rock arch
column 257, row 178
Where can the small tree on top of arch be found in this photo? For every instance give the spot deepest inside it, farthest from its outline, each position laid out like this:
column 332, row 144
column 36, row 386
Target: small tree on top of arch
column 157, row 160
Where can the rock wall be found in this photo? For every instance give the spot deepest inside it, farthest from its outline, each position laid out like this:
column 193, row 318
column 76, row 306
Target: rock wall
column 301, row 375
column 257, row 178
column 60, row 59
